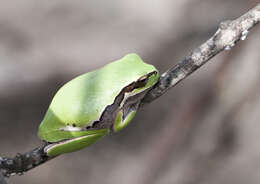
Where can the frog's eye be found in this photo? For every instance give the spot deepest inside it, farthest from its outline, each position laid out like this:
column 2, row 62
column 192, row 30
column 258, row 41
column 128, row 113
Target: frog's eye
column 141, row 82
column 142, row 79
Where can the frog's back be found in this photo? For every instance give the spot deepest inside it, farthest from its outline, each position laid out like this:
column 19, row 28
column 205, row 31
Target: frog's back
column 83, row 99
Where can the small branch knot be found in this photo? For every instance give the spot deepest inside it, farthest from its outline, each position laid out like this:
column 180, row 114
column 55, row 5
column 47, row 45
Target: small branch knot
column 225, row 24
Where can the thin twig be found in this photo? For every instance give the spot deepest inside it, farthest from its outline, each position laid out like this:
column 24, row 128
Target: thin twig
column 228, row 34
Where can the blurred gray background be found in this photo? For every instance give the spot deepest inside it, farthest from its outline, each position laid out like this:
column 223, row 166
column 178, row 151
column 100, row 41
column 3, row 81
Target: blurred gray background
column 205, row 130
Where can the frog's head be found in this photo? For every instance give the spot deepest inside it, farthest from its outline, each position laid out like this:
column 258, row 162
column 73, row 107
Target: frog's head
column 131, row 97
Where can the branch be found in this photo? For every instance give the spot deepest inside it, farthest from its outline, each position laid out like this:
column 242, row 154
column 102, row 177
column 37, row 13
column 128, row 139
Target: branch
column 2, row 179
column 23, row 162
column 228, row 34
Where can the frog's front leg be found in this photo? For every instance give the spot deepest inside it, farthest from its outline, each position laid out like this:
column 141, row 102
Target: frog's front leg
column 121, row 122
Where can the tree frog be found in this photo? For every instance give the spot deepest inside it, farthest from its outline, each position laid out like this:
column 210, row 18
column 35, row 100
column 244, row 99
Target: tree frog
column 95, row 103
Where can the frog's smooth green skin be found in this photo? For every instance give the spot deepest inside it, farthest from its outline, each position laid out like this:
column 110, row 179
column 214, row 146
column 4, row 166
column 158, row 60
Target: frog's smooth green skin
column 86, row 108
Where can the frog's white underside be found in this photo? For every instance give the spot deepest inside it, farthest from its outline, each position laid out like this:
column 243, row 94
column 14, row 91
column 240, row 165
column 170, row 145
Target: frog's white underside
column 71, row 128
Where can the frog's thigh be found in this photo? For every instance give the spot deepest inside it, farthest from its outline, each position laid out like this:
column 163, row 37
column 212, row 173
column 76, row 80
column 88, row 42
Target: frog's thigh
column 119, row 124
column 73, row 144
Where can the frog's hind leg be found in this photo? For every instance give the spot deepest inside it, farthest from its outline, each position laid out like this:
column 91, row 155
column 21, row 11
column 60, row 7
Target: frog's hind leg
column 72, row 145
